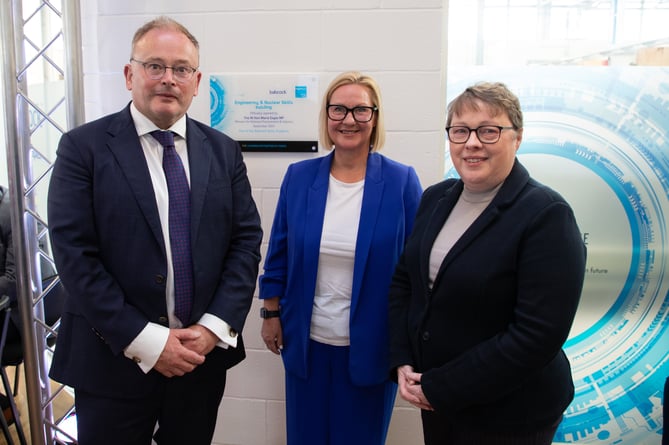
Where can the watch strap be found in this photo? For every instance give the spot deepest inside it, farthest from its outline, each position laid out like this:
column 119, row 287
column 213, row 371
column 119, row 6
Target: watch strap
column 264, row 313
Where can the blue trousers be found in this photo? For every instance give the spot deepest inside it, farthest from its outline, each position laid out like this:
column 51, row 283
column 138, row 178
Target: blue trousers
column 328, row 409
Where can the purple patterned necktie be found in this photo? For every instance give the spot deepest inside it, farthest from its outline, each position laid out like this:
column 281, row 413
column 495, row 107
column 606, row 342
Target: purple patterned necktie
column 179, row 225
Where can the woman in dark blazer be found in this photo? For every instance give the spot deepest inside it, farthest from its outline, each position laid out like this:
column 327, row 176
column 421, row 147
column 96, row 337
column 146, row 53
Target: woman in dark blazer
column 487, row 288
column 339, row 228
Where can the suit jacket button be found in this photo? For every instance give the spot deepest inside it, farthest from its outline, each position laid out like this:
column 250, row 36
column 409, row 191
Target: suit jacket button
column 160, row 279
column 426, row 336
column 163, row 320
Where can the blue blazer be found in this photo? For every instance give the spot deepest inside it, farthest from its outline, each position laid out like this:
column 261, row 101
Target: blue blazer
column 390, row 200
column 109, row 250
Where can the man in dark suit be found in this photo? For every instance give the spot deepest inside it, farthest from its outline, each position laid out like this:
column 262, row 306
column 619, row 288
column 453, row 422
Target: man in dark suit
column 132, row 356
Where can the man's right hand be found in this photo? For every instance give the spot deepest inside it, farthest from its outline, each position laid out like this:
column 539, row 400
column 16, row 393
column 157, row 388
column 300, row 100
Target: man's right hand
column 176, row 359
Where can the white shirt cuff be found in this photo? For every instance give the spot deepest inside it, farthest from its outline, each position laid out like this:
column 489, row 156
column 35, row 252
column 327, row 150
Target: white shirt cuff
column 146, row 348
column 226, row 335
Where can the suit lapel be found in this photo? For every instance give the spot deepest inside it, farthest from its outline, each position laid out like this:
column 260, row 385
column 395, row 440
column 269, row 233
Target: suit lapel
column 199, row 159
column 484, row 219
column 436, row 221
column 506, row 195
column 125, row 146
column 371, row 203
column 315, row 213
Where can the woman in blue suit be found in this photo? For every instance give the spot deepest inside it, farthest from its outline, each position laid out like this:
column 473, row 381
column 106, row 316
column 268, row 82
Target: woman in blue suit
column 339, row 229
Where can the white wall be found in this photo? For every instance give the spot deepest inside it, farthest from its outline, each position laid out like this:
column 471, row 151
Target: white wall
column 399, row 42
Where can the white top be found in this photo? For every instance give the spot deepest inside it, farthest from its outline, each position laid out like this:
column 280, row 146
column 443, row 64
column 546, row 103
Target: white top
column 469, row 206
column 334, row 282
column 145, row 349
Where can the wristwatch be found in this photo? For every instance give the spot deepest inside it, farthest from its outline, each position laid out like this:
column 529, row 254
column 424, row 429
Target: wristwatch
column 264, row 313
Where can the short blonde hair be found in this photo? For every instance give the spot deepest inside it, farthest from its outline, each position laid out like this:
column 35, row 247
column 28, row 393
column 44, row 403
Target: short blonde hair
column 378, row 137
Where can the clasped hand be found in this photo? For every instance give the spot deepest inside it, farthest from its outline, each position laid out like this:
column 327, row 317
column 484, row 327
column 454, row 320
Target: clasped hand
column 410, row 387
column 185, row 350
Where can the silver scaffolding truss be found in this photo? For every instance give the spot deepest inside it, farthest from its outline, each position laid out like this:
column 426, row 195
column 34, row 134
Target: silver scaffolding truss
column 43, row 96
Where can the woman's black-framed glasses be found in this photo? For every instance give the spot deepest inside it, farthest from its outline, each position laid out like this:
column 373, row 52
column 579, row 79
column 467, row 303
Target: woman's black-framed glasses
column 156, row 71
column 360, row 114
column 487, row 134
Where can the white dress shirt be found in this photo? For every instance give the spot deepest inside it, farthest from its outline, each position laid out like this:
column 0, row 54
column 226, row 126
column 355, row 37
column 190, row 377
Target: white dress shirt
column 146, row 348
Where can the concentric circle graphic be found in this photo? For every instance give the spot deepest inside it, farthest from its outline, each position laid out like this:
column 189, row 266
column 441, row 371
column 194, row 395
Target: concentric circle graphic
column 217, row 106
column 599, row 136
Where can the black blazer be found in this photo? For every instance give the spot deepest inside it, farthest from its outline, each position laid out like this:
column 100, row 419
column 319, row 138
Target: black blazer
column 109, row 250
column 488, row 336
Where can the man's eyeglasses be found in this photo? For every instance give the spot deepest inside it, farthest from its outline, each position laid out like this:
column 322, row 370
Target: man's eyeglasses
column 156, row 71
column 487, row 134
column 360, row 114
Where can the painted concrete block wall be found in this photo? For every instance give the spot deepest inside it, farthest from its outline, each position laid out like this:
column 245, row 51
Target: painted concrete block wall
column 399, row 42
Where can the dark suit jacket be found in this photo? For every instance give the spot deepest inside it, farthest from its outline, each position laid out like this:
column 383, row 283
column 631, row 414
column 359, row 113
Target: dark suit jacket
column 488, row 336
column 390, row 199
column 8, row 269
column 109, row 250
column 7, row 266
